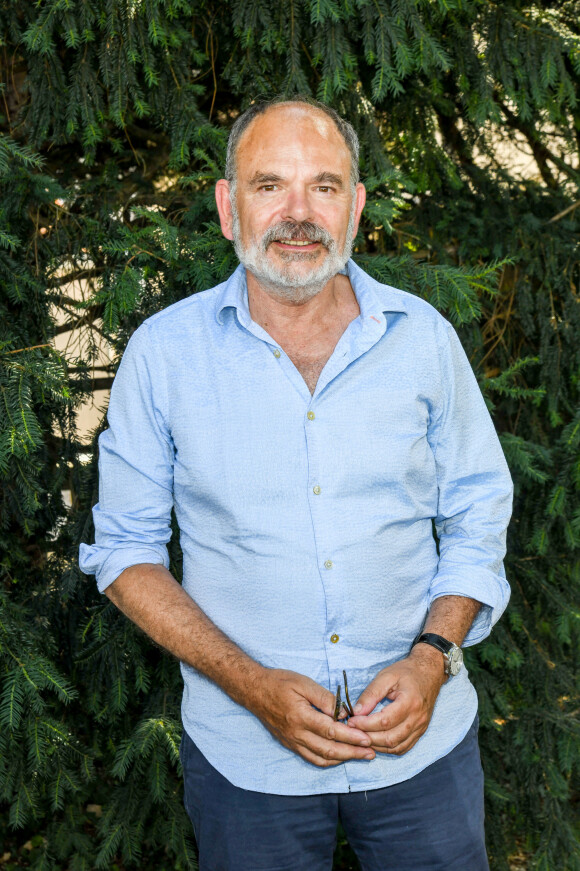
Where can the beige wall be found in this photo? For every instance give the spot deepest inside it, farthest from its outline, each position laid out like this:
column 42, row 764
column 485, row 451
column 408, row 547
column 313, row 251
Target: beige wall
column 84, row 343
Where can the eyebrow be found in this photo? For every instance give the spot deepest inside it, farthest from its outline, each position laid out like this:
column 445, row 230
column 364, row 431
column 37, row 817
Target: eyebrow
column 264, row 178
column 329, row 178
column 272, row 178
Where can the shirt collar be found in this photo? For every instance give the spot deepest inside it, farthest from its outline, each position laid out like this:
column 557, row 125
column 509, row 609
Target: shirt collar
column 234, row 295
column 374, row 299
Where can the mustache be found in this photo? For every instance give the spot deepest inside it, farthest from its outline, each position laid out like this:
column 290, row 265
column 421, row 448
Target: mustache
column 292, row 230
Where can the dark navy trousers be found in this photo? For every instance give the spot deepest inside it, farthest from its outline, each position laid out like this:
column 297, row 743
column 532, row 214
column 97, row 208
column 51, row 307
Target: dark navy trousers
column 431, row 822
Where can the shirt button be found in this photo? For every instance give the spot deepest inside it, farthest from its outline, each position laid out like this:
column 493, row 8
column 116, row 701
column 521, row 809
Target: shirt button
column 310, row 415
column 328, row 564
column 334, row 638
column 276, row 353
column 316, row 490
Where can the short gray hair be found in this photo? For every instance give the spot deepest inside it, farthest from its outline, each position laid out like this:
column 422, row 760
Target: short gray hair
column 242, row 123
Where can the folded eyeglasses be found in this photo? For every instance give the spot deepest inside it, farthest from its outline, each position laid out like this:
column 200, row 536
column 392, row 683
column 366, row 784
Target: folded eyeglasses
column 339, row 705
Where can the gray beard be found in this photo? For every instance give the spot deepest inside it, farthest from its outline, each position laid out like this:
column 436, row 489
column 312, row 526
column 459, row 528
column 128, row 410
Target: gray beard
column 282, row 281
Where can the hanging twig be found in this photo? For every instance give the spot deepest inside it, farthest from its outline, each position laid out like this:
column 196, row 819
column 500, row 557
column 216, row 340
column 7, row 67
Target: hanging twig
column 564, row 213
column 31, row 348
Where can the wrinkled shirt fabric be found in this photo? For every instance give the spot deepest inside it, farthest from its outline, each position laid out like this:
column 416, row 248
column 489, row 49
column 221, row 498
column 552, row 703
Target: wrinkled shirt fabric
column 307, row 520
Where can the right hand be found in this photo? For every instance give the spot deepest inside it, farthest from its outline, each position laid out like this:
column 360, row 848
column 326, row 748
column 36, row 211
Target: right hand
column 286, row 704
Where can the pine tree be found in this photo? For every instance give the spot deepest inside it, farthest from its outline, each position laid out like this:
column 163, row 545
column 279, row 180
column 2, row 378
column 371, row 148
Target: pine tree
column 113, row 123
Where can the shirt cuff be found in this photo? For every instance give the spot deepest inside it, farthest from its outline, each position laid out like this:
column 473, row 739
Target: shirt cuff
column 107, row 563
column 492, row 590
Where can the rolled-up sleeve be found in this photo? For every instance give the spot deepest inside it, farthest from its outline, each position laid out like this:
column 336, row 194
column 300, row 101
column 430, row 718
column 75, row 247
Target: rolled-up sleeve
column 133, row 516
column 475, row 493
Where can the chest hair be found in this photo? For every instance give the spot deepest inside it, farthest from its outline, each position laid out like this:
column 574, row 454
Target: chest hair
column 310, row 367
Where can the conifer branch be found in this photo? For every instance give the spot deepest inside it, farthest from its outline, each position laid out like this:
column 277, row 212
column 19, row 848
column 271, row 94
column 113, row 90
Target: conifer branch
column 542, row 154
column 89, row 316
column 30, row 348
column 75, row 275
column 564, row 212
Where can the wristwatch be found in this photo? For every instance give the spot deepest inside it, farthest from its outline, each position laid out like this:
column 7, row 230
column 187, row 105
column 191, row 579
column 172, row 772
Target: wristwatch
column 451, row 652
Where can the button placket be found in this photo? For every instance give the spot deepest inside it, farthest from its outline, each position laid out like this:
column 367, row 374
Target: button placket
column 322, row 534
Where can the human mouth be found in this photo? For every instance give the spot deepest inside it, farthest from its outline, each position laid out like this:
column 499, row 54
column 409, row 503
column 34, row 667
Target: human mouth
column 295, row 243
column 291, row 239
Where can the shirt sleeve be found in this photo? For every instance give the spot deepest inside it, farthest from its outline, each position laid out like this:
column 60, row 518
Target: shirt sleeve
column 475, row 494
column 133, row 515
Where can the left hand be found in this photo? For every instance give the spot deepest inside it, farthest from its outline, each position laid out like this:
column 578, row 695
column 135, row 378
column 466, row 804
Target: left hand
column 412, row 685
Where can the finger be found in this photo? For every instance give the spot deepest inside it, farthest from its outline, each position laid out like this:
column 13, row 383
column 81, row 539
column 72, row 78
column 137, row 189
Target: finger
column 375, row 692
column 372, row 723
column 385, row 744
column 393, row 714
column 333, row 752
column 402, row 738
column 330, row 730
column 343, row 714
column 347, row 734
column 314, row 758
column 392, row 738
column 318, row 696
column 381, row 721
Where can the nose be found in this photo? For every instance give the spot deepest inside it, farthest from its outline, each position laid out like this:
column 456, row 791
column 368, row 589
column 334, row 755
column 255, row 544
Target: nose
column 297, row 206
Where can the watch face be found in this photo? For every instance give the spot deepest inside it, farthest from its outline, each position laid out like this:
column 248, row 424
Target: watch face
column 455, row 660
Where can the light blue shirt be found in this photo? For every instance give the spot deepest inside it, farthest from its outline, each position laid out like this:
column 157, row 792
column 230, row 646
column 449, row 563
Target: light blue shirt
column 307, row 520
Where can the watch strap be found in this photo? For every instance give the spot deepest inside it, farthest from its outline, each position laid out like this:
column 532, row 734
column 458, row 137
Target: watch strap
column 436, row 641
column 452, row 654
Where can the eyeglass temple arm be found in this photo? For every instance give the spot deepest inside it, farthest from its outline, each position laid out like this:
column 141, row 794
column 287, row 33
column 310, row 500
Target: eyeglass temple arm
column 347, row 703
column 337, row 704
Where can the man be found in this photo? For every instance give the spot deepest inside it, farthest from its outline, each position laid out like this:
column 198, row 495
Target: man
column 309, row 426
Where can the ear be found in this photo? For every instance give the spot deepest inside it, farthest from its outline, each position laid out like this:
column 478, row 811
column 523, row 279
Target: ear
column 224, row 207
column 360, row 198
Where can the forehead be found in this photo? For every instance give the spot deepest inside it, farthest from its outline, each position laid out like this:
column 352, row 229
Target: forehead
column 292, row 134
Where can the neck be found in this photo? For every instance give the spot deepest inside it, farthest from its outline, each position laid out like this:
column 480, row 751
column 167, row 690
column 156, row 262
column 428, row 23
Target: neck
column 276, row 314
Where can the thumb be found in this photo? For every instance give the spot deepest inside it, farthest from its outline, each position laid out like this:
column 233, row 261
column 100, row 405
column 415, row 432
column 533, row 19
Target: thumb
column 376, row 691
column 318, row 696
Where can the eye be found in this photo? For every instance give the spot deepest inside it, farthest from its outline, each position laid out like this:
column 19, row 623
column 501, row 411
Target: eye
column 324, row 189
column 269, row 187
